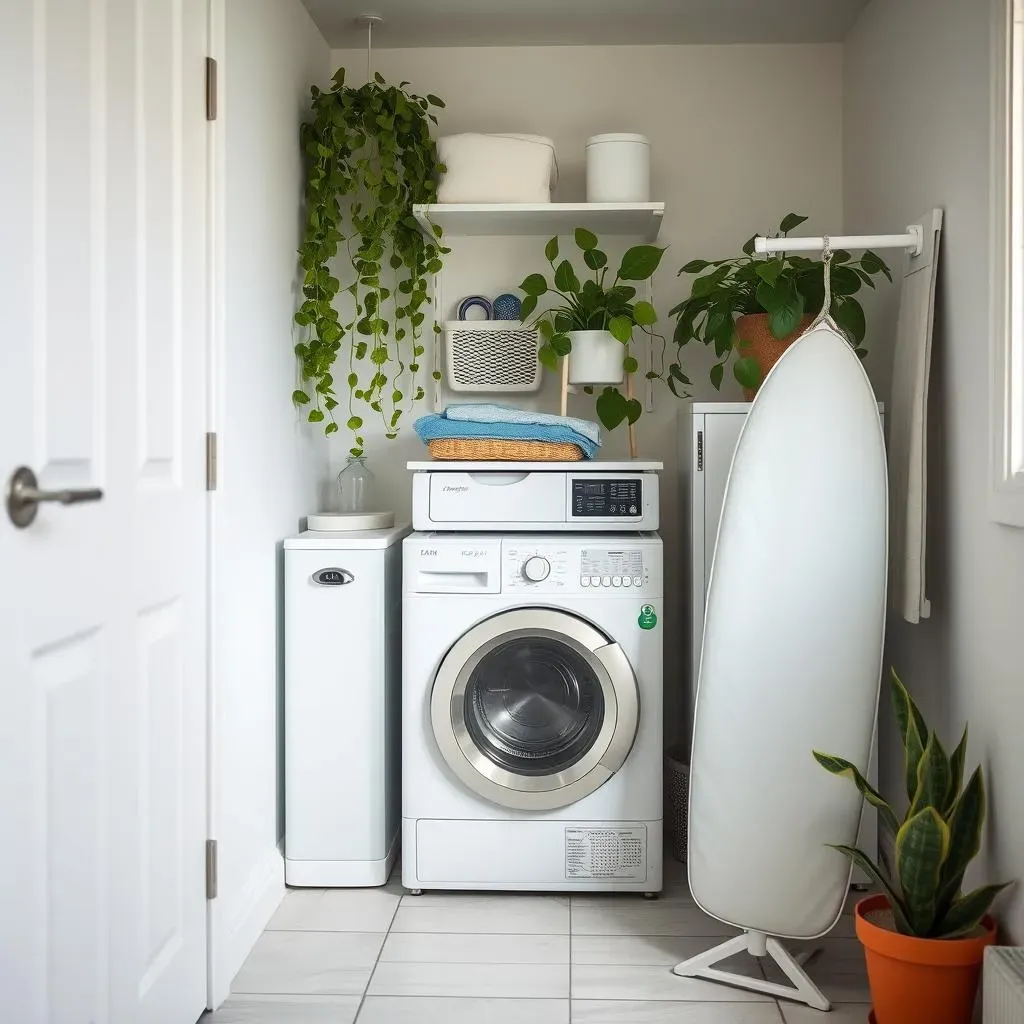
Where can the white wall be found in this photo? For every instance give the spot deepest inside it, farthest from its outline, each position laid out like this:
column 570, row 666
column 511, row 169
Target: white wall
column 740, row 136
column 268, row 462
column 916, row 135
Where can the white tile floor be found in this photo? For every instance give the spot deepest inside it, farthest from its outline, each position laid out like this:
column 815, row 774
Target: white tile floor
column 377, row 956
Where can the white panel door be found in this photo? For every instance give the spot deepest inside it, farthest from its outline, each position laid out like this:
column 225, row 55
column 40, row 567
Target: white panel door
column 102, row 604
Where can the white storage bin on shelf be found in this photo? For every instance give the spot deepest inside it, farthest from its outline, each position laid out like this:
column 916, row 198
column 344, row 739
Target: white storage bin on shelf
column 491, row 355
column 496, row 168
column 618, row 169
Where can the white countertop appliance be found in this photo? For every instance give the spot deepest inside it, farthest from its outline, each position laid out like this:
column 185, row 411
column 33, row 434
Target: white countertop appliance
column 342, row 697
column 535, row 496
column 532, row 711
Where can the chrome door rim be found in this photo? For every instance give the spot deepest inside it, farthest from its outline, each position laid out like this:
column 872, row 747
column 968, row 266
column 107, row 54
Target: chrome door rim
column 605, row 755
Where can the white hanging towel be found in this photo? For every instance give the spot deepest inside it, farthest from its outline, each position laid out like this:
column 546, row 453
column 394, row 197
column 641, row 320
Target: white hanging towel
column 908, row 428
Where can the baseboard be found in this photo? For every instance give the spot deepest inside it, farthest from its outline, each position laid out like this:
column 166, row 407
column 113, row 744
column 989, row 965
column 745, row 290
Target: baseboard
column 249, row 916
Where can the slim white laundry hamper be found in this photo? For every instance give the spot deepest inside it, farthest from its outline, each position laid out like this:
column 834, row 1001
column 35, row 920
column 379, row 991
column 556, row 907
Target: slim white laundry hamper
column 342, row 706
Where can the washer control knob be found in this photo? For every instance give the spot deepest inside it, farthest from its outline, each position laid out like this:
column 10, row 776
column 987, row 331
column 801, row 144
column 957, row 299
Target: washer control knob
column 537, row 569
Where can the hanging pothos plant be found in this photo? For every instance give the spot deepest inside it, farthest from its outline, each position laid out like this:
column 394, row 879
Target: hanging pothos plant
column 369, row 158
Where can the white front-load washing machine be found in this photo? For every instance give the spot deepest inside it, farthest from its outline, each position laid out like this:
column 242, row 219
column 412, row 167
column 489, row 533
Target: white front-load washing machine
column 532, row 711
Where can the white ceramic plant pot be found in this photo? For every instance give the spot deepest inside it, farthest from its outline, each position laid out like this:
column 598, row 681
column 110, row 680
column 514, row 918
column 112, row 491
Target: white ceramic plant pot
column 596, row 358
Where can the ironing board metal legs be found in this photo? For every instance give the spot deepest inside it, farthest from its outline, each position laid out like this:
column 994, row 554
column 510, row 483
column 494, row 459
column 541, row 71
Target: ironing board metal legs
column 802, row 990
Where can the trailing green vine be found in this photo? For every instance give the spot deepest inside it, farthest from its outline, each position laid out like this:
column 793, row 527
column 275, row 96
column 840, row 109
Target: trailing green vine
column 369, row 157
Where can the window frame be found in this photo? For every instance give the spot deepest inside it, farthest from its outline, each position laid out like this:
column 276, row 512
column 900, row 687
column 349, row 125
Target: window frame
column 1007, row 233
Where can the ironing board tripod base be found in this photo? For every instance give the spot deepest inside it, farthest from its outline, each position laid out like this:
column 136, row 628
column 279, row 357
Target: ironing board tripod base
column 802, row 989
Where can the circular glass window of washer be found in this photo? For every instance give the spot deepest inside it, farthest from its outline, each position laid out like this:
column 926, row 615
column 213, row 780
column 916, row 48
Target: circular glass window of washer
column 534, row 706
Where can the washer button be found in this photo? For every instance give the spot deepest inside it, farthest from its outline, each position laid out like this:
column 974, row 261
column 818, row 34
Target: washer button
column 626, row 581
column 616, row 581
column 606, row 581
column 595, row 581
column 638, row 581
column 584, row 581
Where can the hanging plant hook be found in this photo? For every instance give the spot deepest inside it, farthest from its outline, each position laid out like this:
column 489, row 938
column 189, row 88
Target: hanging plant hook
column 369, row 20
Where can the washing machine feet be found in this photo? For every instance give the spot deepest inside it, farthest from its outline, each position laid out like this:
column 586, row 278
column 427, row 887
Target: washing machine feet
column 414, row 892
column 650, row 895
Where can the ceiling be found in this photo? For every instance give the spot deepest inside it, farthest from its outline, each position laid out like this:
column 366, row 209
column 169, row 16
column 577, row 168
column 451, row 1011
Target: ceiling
column 411, row 23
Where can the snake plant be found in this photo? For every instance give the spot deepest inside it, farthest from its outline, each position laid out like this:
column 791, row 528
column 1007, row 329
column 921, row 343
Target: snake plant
column 937, row 838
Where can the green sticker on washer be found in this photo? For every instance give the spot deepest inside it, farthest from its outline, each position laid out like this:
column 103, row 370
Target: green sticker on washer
column 648, row 618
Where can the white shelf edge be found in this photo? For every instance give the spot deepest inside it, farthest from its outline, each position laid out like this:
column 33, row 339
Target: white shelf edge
column 642, row 220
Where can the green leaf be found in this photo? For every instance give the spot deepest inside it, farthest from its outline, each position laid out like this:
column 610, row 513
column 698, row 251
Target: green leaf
column 331, row 428
column 562, row 344
column 872, row 263
column 640, row 262
column 354, row 422
column 300, row 397
column 913, row 730
column 705, row 285
column 866, row 864
column 956, row 771
column 621, row 328
column 694, row 267
column 645, row 314
column 315, row 416
column 847, row 769
column 630, row 365
column 966, row 821
column 966, row 913
column 748, row 246
column 634, row 410
column 545, row 328
column 551, row 250
column 611, row 408
column 548, row 357
column 716, row 373
column 595, row 259
column 747, row 372
column 783, row 304
column 849, row 315
column 528, row 308
column 932, row 777
column 585, row 239
column 922, row 844
column 845, row 281
column 434, row 101
column 534, row 285
column 565, row 278
column 790, row 221
column 770, row 270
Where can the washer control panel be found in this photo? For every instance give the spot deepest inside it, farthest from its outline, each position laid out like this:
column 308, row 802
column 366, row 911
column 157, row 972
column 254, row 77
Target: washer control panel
column 547, row 568
column 607, row 498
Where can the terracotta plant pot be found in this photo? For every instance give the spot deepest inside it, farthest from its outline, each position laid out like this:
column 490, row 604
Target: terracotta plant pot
column 920, row 981
column 757, row 341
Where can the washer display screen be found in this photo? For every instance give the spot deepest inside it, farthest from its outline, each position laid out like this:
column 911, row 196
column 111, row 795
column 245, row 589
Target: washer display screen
column 607, row 499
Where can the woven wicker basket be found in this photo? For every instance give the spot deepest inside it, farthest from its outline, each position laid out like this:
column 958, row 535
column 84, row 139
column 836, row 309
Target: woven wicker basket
column 470, row 449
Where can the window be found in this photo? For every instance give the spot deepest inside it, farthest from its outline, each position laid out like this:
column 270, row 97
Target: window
column 1007, row 334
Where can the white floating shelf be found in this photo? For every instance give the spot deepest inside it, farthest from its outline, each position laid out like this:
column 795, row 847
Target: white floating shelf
column 636, row 220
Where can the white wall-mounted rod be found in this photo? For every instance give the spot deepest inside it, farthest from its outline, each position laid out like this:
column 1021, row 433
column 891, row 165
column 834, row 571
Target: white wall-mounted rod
column 912, row 241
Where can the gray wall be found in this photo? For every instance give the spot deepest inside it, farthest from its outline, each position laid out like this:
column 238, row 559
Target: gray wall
column 916, row 135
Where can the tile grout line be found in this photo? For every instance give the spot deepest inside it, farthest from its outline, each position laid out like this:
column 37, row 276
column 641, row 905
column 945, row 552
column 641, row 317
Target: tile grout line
column 376, row 962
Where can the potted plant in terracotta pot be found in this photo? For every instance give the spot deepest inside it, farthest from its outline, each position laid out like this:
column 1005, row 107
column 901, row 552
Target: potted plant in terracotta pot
column 756, row 307
column 923, row 937
column 593, row 320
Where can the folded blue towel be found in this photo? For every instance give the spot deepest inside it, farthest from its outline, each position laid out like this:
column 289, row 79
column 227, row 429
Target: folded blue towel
column 435, row 427
column 493, row 412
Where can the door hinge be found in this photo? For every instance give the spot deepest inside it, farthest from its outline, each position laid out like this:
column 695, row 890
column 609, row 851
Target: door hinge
column 211, row 89
column 211, row 869
column 700, row 451
column 211, row 461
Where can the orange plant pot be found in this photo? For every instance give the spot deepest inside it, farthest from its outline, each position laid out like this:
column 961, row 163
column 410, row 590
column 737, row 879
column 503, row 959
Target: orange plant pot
column 920, row 981
column 757, row 341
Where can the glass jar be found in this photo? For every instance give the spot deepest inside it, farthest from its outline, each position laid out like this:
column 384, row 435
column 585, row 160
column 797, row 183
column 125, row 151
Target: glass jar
column 355, row 486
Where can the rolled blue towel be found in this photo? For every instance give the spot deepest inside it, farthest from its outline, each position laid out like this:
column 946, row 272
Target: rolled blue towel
column 436, row 427
column 493, row 412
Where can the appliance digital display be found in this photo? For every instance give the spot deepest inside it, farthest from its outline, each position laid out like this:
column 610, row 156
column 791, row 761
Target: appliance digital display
column 607, row 499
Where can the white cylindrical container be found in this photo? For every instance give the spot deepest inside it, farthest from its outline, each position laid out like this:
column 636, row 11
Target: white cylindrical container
column 596, row 358
column 618, row 169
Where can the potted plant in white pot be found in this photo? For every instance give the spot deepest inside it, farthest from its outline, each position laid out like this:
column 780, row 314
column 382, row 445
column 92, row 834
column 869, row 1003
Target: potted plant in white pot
column 924, row 939
column 593, row 321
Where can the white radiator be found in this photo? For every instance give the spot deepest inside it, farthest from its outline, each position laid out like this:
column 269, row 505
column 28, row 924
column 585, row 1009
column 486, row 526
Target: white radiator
column 1003, row 985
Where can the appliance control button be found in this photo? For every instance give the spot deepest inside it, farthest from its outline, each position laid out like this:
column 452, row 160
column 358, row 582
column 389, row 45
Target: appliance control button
column 616, row 581
column 584, row 581
column 626, row 581
column 536, row 569
column 638, row 581
column 595, row 581
column 606, row 581
column 632, row 510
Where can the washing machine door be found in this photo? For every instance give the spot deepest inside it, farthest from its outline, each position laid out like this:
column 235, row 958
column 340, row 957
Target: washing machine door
column 534, row 708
